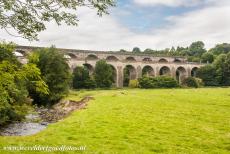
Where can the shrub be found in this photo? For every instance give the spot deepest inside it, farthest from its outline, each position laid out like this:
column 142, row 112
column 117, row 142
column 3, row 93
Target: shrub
column 192, row 82
column 133, row 84
column 158, row 82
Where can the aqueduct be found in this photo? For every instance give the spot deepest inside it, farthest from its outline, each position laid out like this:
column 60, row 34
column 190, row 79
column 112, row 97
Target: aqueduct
column 137, row 65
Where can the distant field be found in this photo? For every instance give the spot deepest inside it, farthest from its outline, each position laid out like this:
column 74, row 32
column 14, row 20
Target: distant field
column 143, row 121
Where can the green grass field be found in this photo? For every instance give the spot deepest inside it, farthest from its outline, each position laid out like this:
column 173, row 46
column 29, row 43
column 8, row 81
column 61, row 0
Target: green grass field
column 142, row 121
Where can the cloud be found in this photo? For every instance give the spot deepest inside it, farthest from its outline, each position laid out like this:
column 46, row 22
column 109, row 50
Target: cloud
column 210, row 24
column 173, row 3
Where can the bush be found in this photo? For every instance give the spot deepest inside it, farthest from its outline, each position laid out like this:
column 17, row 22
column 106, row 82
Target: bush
column 133, row 83
column 192, row 82
column 158, row 82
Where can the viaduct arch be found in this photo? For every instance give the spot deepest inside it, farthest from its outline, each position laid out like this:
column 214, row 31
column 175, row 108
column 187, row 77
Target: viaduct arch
column 136, row 65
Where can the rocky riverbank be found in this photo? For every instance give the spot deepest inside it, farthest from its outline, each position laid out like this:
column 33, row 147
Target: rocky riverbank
column 42, row 117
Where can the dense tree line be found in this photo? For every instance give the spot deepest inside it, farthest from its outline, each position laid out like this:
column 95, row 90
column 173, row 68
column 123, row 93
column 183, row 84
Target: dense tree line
column 196, row 52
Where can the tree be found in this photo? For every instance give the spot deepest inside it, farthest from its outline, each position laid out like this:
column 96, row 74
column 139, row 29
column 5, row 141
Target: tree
column 148, row 51
column 221, row 49
column 82, row 79
column 172, row 49
column 28, row 17
column 208, row 74
column 15, row 80
column 103, row 74
column 55, row 72
column 6, row 52
column 196, row 49
column 222, row 65
column 136, row 50
column 122, row 50
column 207, row 57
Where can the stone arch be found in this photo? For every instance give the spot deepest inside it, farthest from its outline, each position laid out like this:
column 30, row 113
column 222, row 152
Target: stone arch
column 147, row 59
column 181, row 74
column 92, row 57
column 165, row 70
column 148, row 71
column 163, row 60
column 130, row 59
column 176, row 60
column 194, row 71
column 129, row 73
column 114, row 74
column 71, row 56
column 89, row 67
column 112, row 58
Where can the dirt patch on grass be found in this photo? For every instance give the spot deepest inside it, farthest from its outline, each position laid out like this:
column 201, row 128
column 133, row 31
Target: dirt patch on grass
column 62, row 109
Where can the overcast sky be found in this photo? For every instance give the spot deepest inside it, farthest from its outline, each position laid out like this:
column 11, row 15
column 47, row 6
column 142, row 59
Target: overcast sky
column 155, row 24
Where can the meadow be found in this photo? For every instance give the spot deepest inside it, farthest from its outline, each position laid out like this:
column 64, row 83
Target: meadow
column 141, row 121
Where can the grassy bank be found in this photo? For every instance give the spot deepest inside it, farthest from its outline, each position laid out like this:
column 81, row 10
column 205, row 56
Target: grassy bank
column 142, row 121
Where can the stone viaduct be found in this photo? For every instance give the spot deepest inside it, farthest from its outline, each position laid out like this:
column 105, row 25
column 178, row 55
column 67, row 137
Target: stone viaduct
column 177, row 67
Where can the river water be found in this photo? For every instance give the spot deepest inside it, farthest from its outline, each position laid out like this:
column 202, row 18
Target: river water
column 28, row 127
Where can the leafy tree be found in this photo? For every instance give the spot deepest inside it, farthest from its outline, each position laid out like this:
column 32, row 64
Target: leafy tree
column 209, row 75
column 136, row 50
column 207, row 57
column 172, row 49
column 28, row 17
column 222, row 65
column 6, row 52
column 148, row 51
column 82, row 79
column 122, row 50
column 55, row 72
column 103, row 74
column 15, row 80
column 196, row 49
column 221, row 49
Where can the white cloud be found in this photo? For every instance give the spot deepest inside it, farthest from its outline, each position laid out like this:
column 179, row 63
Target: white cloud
column 210, row 24
column 174, row 3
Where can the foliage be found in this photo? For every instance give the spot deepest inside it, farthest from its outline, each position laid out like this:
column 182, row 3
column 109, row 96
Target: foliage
column 157, row 82
column 28, row 17
column 207, row 57
column 55, row 72
column 126, row 77
column 15, row 80
column 221, row 49
column 6, row 52
column 82, row 79
column 196, row 49
column 133, row 84
column 192, row 82
column 222, row 65
column 136, row 50
column 209, row 75
column 122, row 51
column 103, row 74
